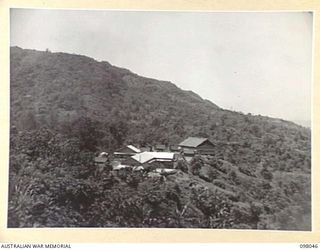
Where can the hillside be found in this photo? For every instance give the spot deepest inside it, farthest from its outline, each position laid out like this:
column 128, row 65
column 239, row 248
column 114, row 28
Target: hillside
column 57, row 88
column 65, row 108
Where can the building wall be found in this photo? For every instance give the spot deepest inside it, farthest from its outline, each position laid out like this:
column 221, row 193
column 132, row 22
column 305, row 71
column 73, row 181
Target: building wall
column 131, row 162
column 159, row 164
column 204, row 148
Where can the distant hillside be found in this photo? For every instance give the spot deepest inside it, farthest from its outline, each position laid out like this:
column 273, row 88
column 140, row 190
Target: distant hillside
column 57, row 88
column 52, row 89
column 66, row 107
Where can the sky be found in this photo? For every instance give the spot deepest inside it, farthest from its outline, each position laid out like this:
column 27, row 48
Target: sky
column 253, row 62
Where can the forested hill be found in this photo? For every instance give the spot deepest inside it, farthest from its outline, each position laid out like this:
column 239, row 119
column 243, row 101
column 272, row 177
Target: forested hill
column 56, row 89
column 67, row 107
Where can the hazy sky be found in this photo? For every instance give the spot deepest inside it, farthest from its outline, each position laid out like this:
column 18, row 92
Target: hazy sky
column 258, row 62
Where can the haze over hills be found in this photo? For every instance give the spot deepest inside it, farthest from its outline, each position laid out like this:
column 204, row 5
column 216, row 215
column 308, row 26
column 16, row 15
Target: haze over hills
column 305, row 123
column 66, row 107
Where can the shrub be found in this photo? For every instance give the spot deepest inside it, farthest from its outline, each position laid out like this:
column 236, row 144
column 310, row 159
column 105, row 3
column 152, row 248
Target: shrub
column 182, row 165
column 247, row 170
column 266, row 174
column 195, row 165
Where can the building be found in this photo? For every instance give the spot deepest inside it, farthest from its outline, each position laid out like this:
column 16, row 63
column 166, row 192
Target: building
column 160, row 148
column 155, row 159
column 101, row 163
column 188, row 154
column 131, row 161
column 174, row 148
column 198, row 145
column 100, row 160
column 103, row 154
column 125, row 152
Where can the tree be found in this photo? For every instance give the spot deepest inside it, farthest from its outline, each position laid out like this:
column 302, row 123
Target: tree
column 266, row 174
column 255, row 130
column 87, row 131
column 182, row 165
column 196, row 164
column 155, row 122
column 119, row 131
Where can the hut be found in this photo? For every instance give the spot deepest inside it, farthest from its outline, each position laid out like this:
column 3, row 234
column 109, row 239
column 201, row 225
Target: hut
column 200, row 145
column 160, row 148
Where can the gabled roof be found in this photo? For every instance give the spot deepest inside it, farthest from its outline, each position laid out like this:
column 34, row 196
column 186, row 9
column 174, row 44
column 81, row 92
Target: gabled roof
column 127, row 149
column 133, row 148
column 145, row 157
column 193, row 141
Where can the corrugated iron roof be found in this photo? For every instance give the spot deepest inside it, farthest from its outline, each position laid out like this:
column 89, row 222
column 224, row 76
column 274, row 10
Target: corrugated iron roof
column 148, row 156
column 122, row 151
column 193, row 142
column 134, row 148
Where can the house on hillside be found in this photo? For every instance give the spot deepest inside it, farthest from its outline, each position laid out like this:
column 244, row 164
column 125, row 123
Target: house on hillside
column 159, row 148
column 125, row 152
column 155, row 159
column 198, row 145
column 129, row 163
column 100, row 160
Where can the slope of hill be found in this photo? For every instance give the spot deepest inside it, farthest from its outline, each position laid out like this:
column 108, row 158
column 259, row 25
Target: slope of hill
column 66, row 107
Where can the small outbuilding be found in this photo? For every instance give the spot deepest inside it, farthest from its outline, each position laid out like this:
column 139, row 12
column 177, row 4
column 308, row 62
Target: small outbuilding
column 100, row 160
column 160, row 148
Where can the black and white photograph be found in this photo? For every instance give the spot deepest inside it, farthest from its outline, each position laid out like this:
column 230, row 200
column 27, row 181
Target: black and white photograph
column 160, row 119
